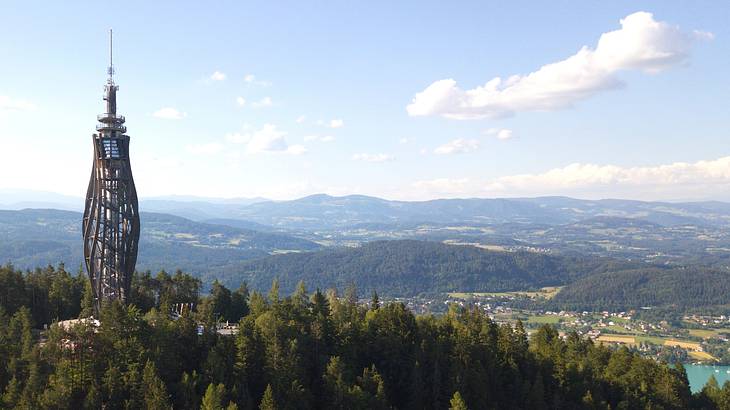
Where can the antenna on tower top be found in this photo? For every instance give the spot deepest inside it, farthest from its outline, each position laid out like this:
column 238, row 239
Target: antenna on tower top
column 111, row 55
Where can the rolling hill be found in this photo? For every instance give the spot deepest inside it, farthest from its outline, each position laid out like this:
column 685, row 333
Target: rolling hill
column 408, row 268
column 679, row 288
column 37, row 237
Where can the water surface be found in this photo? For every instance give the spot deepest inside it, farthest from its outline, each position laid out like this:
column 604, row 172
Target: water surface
column 698, row 374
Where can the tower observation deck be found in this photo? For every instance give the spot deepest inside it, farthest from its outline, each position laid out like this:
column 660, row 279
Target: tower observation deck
column 111, row 216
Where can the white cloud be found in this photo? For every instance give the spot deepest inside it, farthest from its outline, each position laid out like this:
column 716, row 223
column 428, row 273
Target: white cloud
column 336, row 123
column 499, row 133
column 406, row 140
column 218, row 76
column 679, row 180
column 504, row 134
column 296, row 149
column 320, row 138
column 264, row 102
column 204, row 149
column 240, row 101
column 267, row 139
column 641, row 43
column 169, row 113
column 12, row 104
column 301, row 119
column 457, row 146
column 251, row 79
column 373, row 157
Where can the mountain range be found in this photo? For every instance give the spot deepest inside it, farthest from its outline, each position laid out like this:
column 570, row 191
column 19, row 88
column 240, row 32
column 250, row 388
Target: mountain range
column 324, row 237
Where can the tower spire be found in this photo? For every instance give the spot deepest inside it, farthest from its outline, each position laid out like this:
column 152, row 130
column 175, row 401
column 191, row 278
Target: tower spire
column 111, row 56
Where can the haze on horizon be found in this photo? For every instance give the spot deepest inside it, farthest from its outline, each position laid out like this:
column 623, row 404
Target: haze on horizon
column 624, row 100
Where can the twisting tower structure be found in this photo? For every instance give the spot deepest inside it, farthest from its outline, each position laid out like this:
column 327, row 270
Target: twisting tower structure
column 111, row 217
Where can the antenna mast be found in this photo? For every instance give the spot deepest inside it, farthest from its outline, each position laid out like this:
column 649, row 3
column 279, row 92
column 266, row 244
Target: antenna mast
column 111, row 56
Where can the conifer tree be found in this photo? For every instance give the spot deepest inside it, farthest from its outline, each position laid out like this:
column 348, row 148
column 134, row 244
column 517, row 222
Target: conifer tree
column 155, row 393
column 457, row 402
column 213, row 399
column 267, row 401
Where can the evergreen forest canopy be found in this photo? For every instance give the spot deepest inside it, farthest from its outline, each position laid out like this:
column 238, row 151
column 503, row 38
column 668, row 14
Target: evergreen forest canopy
column 681, row 289
column 306, row 350
column 410, row 267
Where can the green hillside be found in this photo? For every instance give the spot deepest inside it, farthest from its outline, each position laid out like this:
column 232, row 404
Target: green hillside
column 403, row 268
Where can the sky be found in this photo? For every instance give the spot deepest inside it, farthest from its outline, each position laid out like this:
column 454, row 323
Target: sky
column 408, row 100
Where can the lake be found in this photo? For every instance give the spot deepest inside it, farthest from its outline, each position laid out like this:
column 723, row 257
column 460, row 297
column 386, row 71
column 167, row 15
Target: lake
column 698, row 374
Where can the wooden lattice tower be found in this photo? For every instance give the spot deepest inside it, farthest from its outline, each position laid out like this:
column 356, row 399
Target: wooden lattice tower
column 111, row 217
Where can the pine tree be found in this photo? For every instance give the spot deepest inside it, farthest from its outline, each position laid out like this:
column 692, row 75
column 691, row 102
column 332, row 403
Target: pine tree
column 457, row 402
column 155, row 393
column 267, row 401
column 274, row 292
column 187, row 391
column 87, row 301
column 213, row 399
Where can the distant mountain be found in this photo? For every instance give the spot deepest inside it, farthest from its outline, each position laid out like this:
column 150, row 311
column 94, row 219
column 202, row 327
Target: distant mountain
column 16, row 199
column 240, row 223
column 327, row 212
column 37, row 237
column 318, row 212
column 195, row 208
column 324, row 211
column 407, row 267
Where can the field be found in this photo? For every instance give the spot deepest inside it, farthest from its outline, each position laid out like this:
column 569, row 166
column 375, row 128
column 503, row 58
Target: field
column 543, row 319
column 544, row 293
column 705, row 334
column 683, row 345
column 616, row 339
column 702, row 356
column 708, row 333
column 651, row 339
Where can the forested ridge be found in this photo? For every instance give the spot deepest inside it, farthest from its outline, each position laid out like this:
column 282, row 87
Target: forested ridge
column 681, row 288
column 306, row 350
column 410, row 267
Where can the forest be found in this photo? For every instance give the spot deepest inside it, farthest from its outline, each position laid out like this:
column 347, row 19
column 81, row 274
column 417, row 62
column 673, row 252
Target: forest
column 410, row 267
column 299, row 351
column 679, row 289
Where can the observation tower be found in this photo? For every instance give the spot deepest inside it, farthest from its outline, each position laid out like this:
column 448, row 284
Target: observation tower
column 111, row 216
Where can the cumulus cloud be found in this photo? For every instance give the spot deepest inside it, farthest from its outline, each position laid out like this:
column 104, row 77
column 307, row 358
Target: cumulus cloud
column 169, row 113
column 373, row 157
column 641, row 43
column 204, row 149
column 264, row 102
column 251, row 79
column 679, row 180
column 457, row 146
column 218, row 76
column 499, row 133
column 336, row 123
column 320, row 138
column 268, row 139
column 12, row 104
column 301, row 119
column 240, row 101
column 296, row 149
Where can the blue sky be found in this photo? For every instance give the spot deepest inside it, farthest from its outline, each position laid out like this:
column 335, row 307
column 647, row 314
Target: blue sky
column 285, row 99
